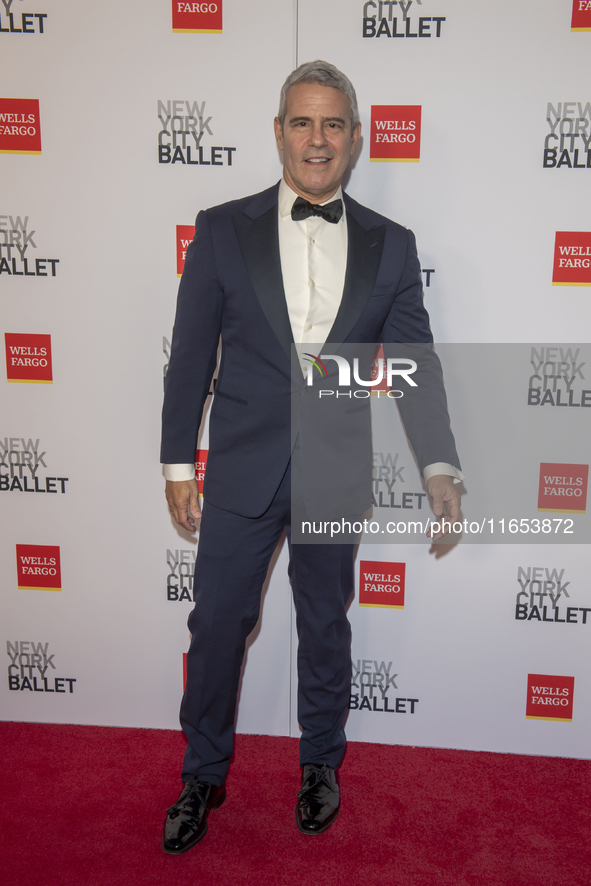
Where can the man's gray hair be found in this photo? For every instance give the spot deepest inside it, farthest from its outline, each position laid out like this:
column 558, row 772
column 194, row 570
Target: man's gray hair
column 325, row 74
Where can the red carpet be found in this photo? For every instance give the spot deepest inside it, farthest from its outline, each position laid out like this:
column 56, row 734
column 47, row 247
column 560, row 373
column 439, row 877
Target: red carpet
column 84, row 805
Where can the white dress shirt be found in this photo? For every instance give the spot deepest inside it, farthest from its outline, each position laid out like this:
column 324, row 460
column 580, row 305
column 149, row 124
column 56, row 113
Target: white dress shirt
column 313, row 264
column 313, row 256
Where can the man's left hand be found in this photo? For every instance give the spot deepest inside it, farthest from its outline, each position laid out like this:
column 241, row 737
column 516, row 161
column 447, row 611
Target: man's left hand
column 445, row 502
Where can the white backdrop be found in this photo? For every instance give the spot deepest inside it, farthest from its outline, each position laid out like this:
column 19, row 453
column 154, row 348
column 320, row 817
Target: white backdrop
column 485, row 212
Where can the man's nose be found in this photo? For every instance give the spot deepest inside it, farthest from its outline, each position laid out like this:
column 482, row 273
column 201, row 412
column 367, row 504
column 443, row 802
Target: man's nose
column 317, row 135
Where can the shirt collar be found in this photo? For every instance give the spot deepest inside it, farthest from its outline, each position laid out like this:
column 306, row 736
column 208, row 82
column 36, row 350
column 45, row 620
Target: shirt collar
column 287, row 196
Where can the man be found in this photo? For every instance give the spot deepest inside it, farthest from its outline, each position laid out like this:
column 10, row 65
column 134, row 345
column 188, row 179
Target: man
column 295, row 263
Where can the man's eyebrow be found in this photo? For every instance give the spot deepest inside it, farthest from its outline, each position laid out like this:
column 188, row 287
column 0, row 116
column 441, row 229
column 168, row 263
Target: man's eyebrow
column 324, row 120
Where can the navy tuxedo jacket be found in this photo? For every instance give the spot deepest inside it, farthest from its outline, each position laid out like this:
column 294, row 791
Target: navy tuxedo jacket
column 232, row 287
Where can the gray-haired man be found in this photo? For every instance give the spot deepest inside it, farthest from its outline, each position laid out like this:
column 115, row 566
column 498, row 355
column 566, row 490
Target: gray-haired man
column 300, row 262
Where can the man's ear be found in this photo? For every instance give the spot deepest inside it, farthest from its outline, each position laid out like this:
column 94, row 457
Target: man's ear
column 355, row 137
column 278, row 133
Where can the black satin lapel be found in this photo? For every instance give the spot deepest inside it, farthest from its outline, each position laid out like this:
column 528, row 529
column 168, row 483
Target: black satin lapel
column 364, row 254
column 259, row 244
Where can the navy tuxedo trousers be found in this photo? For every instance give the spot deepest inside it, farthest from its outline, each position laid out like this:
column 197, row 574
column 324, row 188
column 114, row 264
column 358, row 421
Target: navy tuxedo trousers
column 232, row 561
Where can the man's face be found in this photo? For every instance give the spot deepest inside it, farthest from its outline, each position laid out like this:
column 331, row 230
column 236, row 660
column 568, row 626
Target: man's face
column 316, row 140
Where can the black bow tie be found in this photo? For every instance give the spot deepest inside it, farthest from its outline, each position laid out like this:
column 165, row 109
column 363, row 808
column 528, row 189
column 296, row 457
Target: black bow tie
column 330, row 212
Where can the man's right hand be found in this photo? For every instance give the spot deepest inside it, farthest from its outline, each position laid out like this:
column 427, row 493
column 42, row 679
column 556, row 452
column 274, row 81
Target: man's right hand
column 183, row 502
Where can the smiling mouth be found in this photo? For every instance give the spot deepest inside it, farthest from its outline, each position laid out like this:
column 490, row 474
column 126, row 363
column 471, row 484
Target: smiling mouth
column 317, row 160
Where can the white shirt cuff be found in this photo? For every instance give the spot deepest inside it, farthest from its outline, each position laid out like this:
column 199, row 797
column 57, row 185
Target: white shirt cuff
column 176, row 473
column 442, row 467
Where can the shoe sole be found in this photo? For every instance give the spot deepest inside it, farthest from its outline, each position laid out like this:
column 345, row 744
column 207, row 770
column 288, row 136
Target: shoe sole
column 200, row 836
column 321, row 830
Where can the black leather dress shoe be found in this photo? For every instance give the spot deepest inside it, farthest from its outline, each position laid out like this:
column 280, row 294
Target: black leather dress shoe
column 318, row 800
column 186, row 823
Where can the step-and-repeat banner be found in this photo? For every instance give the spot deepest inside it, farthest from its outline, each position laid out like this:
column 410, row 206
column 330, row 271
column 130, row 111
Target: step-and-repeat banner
column 119, row 123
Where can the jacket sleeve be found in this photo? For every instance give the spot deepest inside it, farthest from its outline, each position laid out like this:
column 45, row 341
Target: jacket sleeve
column 194, row 347
column 406, row 334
